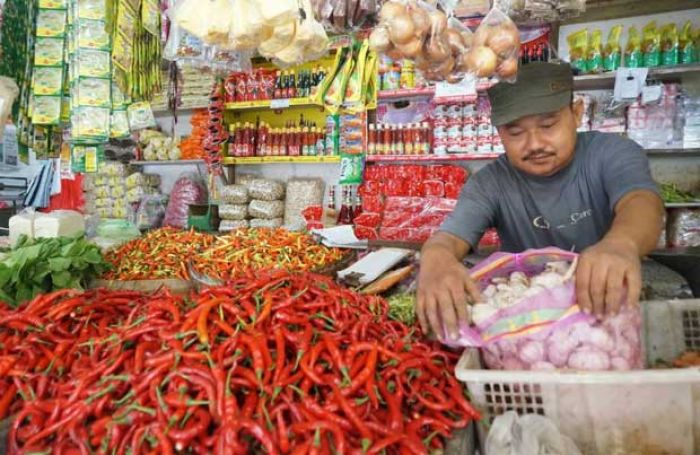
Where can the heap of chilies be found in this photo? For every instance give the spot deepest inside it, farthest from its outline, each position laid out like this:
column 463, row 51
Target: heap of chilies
column 281, row 363
column 164, row 253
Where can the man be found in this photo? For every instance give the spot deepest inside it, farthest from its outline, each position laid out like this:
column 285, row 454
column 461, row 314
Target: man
column 588, row 192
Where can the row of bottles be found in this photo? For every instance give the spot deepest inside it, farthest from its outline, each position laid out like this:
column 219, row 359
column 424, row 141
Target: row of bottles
column 399, row 139
column 350, row 204
column 260, row 139
column 289, row 84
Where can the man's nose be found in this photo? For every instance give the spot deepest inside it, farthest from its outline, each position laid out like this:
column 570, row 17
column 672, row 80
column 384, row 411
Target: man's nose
column 534, row 141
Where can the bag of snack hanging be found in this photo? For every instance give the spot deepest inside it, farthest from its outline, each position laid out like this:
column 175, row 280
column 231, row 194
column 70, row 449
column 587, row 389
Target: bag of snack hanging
column 529, row 318
column 495, row 48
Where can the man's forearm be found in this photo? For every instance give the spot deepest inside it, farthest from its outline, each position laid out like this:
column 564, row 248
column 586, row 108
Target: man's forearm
column 443, row 245
column 638, row 221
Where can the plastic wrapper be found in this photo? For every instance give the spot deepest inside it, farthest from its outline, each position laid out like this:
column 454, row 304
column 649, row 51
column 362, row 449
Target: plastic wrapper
column 208, row 20
column 113, row 169
column 533, row 290
column 341, row 16
column 118, row 230
column 233, row 212
column 234, row 194
column 8, row 92
column 511, row 434
column 269, row 224
column 189, row 189
column 230, row 225
column 302, row 193
column 541, row 11
column 266, row 210
column 151, row 212
column 684, row 228
column 495, row 48
column 266, row 190
column 134, row 195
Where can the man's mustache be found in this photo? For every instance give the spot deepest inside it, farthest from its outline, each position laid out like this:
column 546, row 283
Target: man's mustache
column 537, row 154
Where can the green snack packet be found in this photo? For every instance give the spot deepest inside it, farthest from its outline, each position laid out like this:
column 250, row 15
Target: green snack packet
column 651, row 45
column 93, row 63
column 93, row 35
column 613, row 55
column 94, row 92
column 47, row 110
column 51, row 23
column 120, row 125
column 633, row 51
column 578, row 49
column 48, row 81
column 670, row 45
column 351, row 168
column 688, row 47
column 594, row 61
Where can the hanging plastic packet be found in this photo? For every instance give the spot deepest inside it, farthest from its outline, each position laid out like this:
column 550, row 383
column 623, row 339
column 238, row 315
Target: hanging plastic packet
column 355, row 89
column 48, row 81
column 594, row 60
column 336, row 90
column 150, row 16
column 670, row 45
column 93, row 92
column 53, row 4
column 93, row 35
column 119, row 125
column 51, row 23
column 633, row 50
column 92, row 63
column 688, row 46
column 651, row 45
column 351, row 169
column 90, row 123
column 48, row 52
column 495, row 48
column 92, row 9
column 612, row 57
column 141, row 116
column 47, row 110
column 578, row 49
column 188, row 15
column 248, row 28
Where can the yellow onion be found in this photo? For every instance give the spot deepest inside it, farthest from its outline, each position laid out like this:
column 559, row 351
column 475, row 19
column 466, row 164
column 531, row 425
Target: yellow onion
column 379, row 39
column 508, row 68
column 401, row 29
column 503, row 41
column 481, row 61
column 410, row 49
column 390, row 10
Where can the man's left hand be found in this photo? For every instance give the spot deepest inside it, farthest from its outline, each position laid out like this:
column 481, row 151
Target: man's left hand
column 609, row 275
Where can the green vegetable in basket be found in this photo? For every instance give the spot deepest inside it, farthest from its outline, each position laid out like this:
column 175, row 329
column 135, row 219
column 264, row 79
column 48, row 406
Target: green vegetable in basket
column 671, row 193
column 38, row 266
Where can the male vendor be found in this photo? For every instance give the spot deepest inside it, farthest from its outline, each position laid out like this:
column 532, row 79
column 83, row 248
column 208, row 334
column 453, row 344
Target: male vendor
column 588, row 192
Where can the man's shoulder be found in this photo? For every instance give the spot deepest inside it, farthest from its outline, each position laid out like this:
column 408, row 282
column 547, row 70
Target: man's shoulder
column 499, row 167
column 604, row 146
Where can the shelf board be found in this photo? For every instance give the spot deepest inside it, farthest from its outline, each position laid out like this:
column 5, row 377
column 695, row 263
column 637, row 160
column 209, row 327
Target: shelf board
column 164, row 110
column 673, row 152
column 663, row 73
column 167, row 163
column 282, row 160
column 269, row 104
column 427, row 92
column 682, row 205
column 422, row 158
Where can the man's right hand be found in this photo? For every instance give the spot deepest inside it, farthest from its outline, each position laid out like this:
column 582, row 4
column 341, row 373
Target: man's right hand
column 444, row 290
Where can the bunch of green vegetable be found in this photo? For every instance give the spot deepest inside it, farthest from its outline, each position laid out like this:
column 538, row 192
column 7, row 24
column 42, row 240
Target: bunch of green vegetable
column 402, row 308
column 42, row 265
column 671, row 193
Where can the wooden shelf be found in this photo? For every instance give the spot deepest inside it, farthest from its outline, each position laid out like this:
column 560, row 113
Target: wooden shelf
column 663, row 73
column 422, row 158
column 426, row 92
column 282, row 160
column 269, row 104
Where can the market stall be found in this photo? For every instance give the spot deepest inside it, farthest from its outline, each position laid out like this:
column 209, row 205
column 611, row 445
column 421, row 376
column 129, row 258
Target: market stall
column 211, row 218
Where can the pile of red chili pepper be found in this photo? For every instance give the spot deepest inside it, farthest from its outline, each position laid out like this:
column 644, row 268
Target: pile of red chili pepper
column 280, row 363
column 158, row 255
column 245, row 250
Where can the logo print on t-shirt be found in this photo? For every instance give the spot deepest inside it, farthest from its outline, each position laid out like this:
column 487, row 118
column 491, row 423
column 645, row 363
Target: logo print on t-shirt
column 572, row 220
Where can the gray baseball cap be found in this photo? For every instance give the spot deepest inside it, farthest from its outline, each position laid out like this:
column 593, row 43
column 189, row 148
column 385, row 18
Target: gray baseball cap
column 540, row 88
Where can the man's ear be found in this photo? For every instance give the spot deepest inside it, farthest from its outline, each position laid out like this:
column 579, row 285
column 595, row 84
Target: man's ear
column 577, row 108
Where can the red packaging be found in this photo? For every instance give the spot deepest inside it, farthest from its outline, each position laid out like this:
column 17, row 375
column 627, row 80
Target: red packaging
column 230, row 88
column 241, row 87
column 369, row 219
column 432, row 188
column 371, row 188
column 405, row 204
column 390, row 233
column 434, row 172
column 441, row 205
column 427, row 219
column 396, row 187
column 490, row 240
column 420, row 235
column 452, row 190
column 366, row 233
column 454, row 174
column 372, row 173
column 393, row 219
column 314, row 225
column 373, row 203
column 313, row 213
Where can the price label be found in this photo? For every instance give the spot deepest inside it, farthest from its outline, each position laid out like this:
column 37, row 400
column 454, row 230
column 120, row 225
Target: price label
column 629, row 82
column 279, row 104
column 466, row 87
column 651, row 94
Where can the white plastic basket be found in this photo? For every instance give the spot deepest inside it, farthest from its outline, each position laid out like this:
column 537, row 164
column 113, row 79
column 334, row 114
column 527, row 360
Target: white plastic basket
column 608, row 413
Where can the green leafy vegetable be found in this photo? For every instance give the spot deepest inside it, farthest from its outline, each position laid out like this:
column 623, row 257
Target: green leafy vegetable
column 671, row 193
column 42, row 265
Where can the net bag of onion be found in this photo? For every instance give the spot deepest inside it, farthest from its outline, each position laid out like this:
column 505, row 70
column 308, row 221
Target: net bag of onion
column 529, row 319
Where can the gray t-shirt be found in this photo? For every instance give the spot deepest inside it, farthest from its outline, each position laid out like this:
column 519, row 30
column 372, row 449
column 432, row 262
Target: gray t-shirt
column 572, row 209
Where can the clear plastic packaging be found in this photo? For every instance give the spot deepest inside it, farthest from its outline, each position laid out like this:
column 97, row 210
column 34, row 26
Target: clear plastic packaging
column 495, row 49
column 684, row 228
column 209, row 20
column 189, row 189
column 8, row 92
column 151, row 212
column 301, row 194
column 230, row 225
column 268, row 224
column 534, row 290
column 541, row 11
column 266, row 190
column 234, row 194
column 233, row 212
column 267, row 210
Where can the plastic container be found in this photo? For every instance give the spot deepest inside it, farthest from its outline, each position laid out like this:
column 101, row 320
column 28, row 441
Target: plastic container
column 608, row 413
